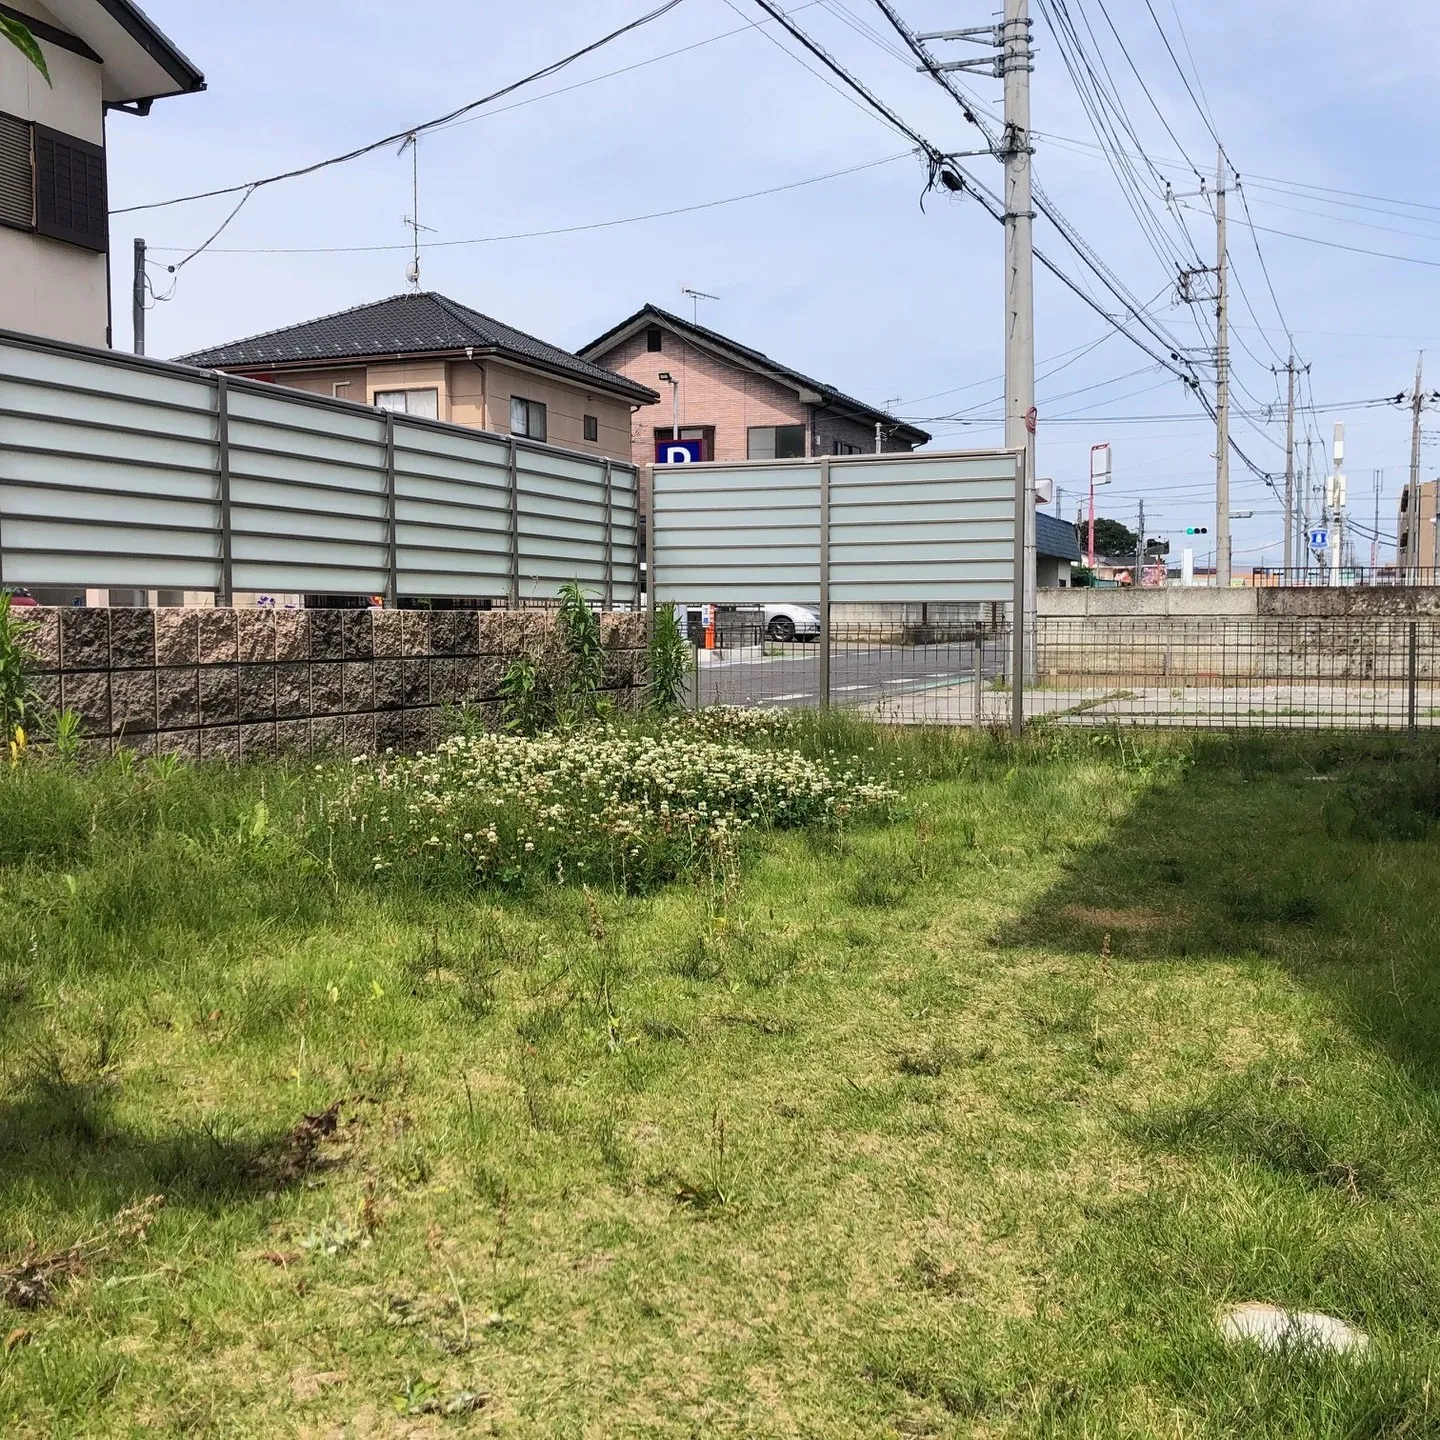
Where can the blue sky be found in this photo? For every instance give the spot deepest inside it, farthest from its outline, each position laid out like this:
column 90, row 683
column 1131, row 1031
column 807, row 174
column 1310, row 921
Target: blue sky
column 847, row 278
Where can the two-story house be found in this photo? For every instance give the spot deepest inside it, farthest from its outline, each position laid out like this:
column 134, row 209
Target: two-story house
column 738, row 403
column 428, row 355
column 102, row 56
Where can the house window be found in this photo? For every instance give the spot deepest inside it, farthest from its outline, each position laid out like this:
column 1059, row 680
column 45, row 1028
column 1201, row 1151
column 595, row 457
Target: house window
column 652, row 339
column 705, row 434
column 424, row 403
column 17, row 174
column 775, row 442
column 527, row 417
column 70, row 189
column 592, row 428
column 844, row 447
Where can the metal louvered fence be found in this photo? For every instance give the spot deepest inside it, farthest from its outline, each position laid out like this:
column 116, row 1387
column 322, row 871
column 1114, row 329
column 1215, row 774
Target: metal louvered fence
column 1326, row 674
column 122, row 471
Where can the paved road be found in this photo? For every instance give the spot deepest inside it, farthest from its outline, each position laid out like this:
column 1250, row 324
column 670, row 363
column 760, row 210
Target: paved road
column 860, row 676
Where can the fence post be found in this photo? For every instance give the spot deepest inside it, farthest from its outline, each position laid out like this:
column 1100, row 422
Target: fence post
column 977, row 669
column 1412, row 675
column 824, row 636
column 648, row 475
column 513, row 480
column 226, row 593
column 609, row 544
column 695, row 673
column 392, row 559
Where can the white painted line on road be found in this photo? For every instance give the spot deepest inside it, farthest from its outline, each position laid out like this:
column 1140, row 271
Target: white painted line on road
column 845, row 689
column 803, row 695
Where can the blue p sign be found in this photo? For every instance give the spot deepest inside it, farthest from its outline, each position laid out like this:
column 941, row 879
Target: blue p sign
column 679, row 452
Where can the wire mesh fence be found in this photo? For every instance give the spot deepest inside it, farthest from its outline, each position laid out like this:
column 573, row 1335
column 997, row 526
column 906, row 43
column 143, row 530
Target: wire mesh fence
column 1209, row 673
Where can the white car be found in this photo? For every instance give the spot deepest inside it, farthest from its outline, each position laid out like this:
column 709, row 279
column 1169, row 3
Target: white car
column 791, row 622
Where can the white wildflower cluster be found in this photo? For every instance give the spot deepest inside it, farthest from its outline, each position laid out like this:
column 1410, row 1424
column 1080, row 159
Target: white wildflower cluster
column 598, row 801
column 735, row 722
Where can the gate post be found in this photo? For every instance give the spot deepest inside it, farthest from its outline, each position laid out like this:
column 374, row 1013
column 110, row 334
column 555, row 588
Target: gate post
column 1017, row 636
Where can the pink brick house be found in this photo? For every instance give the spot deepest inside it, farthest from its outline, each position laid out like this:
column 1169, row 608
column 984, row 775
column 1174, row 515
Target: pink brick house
column 739, row 403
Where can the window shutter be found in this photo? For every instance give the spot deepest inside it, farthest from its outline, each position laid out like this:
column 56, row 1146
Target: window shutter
column 17, row 174
column 70, row 189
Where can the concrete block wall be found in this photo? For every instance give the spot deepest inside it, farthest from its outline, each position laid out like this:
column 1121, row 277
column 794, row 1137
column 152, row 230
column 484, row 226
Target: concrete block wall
column 245, row 684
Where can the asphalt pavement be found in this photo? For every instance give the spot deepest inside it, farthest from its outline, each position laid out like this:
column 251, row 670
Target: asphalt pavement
column 860, row 676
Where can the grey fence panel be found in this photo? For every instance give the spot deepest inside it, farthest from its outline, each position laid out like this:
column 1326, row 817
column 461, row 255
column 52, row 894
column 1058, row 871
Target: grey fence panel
column 736, row 533
column 927, row 527
column 452, row 508
column 106, row 474
column 114, row 471
column 561, row 523
column 922, row 527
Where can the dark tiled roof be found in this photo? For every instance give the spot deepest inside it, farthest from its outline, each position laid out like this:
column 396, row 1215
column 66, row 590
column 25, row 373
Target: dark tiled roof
column 1056, row 538
column 421, row 323
column 831, row 396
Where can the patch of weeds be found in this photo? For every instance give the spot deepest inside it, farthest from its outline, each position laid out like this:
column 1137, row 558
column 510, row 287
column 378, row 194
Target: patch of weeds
column 1281, row 1143
column 940, row 1277
column 30, row 1282
column 664, row 1030
column 1255, row 907
column 334, row 1237
column 714, row 1187
column 1398, row 801
column 702, row 958
column 883, row 886
column 929, row 1064
column 424, row 1397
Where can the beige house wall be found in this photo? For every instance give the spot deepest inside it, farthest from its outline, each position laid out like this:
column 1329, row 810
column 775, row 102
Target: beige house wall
column 565, row 405
column 1418, row 532
column 477, row 394
column 51, row 288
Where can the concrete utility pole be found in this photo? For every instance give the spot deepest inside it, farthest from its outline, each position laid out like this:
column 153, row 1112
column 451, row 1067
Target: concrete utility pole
column 137, row 298
column 1305, row 507
column 1222, row 387
column 1335, row 499
column 1379, row 478
column 1417, row 404
column 1016, row 63
column 1140, row 550
column 1290, row 471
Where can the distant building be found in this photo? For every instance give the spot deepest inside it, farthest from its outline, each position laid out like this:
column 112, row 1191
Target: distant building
column 102, row 55
column 738, row 403
column 1057, row 551
column 428, row 355
column 1418, row 544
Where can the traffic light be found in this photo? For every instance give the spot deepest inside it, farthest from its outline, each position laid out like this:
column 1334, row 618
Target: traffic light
column 1197, row 530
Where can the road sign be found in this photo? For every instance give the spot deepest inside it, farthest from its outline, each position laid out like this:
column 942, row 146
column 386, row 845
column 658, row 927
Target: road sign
column 1319, row 539
column 679, row 452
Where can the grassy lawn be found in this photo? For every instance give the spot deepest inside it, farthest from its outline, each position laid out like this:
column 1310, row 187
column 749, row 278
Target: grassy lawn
column 962, row 1123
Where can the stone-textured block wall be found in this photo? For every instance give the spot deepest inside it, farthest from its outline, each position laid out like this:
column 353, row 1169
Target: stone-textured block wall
column 241, row 684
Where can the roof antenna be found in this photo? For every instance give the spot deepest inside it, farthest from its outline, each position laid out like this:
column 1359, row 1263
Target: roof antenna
column 412, row 143
column 696, row 296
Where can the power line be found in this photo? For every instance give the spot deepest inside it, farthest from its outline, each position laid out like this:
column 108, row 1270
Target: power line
column 550, row 69
column 561, row 229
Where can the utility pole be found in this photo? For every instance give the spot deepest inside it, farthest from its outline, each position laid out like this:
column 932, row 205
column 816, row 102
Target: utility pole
column 1309, row 498
column 1375, row 531
column 1016, row 63
column 1222, row 387
column 1417, row 404
column 1335, row 503
column 137, row 298
column 1290, row 471
column 1140, row 550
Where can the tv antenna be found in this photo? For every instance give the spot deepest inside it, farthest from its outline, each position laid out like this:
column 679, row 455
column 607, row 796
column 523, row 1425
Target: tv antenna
column 412, row 143
column 696, row 296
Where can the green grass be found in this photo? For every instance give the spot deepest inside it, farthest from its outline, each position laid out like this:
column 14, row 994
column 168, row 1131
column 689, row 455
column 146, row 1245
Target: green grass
column 959, row 1125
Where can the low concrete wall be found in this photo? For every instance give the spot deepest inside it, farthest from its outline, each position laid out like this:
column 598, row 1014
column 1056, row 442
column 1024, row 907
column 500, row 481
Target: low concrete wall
column 1360, row 602
column 1220, row 650
column 241, row 684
